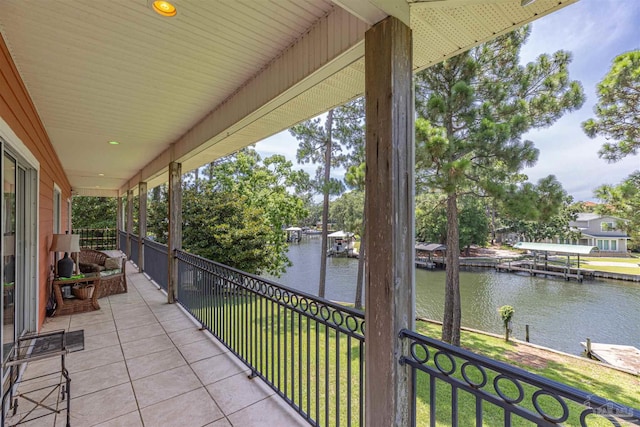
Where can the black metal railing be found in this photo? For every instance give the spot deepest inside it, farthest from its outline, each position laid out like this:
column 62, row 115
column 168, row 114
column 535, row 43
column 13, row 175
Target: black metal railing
column 156, row 262
column 309, row 350
column 133, row 256
column 123, row 242
column 97, row 238
column 455, row 387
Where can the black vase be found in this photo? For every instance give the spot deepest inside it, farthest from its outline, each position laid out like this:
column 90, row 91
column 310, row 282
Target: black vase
column 65, row 266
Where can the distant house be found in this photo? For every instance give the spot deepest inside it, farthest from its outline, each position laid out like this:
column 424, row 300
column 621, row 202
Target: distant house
column 599, row 230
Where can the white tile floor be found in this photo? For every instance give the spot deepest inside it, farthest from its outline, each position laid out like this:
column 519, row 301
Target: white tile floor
column 145, row 363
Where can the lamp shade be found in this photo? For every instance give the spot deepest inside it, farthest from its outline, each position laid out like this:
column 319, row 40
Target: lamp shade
column 65, row 243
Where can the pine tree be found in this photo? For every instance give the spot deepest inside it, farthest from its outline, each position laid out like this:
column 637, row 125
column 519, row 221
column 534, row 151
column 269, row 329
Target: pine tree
column 473, row 111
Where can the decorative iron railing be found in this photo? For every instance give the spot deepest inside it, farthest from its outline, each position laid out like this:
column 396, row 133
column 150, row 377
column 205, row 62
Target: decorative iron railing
column 156, row 262
column 455, row 387
column 97, row 238
column 309, row 350
column 133, row 256
column 123, row 242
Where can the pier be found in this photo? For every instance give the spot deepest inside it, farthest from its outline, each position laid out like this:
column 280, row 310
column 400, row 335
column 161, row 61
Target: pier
column 526, row 267
column 621, row 356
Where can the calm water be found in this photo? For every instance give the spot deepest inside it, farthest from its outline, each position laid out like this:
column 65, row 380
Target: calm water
column 560, row 314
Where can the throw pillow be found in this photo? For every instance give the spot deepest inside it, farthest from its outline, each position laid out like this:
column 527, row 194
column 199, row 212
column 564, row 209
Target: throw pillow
column 112, row 263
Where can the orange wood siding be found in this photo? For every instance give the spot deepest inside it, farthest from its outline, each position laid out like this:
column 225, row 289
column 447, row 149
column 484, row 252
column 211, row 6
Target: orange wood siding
column 18, row 111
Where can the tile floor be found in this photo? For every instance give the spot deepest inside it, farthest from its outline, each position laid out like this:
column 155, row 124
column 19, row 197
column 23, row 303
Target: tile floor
column 146, row 363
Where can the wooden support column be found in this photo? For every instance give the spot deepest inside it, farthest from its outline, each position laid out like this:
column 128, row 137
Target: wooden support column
column 142, row 223
column 389, row 210
column 119, row 222
column 175, row 227
column 129, row 221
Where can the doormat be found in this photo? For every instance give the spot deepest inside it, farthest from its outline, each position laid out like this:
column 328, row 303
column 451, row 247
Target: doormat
column 51, row 343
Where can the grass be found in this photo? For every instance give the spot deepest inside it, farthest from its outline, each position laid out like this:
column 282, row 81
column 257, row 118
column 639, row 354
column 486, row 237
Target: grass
column 319, row 369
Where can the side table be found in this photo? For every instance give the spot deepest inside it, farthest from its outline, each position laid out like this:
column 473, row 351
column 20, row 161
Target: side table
column 76, row 305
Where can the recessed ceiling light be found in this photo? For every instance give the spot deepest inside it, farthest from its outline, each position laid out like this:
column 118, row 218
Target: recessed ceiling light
column 114, row 143
column 164, row 8
column 100, row 174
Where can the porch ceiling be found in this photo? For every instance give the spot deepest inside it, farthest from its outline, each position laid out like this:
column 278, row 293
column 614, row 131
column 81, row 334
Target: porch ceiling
column 216, row 77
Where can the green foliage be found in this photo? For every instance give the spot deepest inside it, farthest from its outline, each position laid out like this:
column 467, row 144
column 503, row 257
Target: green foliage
column 506, row 313
column 238, row 214
column 94, row 212
column 431, row 220
column 347, row 211
column 157, row 214
column 314, row 213
column 618, row 109
column 235, row 212
column 623, row 201
column 346, row 129
column 473, row 111
column 538, row 212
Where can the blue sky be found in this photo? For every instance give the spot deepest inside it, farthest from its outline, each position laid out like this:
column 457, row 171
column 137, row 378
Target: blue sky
column 594, row 31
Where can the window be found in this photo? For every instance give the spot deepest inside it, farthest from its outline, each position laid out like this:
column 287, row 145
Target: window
column 614, row 245
column 57, row 205
column 607, row 226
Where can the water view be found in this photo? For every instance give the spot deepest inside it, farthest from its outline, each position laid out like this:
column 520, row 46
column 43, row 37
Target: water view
column 560, row 314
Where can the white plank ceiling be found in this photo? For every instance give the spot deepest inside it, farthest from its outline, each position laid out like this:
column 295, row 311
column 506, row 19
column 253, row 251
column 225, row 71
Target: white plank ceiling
column 220, row 75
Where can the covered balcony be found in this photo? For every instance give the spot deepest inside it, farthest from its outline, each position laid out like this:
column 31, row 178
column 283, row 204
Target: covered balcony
column 114, row 98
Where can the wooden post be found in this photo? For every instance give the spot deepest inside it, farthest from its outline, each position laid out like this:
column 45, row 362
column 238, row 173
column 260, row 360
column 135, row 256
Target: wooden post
column 142, row 223
column 175, row 227
column 390, row 304
column 589, row 354
column 129, row 221
column 526, row 336
column 119, row 222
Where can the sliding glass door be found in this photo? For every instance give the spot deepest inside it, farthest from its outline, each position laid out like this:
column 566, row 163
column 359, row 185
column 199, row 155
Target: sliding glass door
column 9, row 228
column 18, row 253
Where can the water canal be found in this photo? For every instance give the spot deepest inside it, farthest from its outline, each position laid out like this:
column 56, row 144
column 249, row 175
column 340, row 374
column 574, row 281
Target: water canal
column 560, row 314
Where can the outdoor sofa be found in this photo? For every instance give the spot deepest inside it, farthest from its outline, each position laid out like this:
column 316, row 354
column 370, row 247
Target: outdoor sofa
column 113, row 278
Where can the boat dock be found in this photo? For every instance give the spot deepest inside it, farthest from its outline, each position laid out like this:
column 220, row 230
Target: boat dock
column 534, row 270
column 621, row 356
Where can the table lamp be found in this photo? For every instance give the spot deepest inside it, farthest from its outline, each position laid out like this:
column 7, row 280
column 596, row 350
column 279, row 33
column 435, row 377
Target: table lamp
column 67, row 243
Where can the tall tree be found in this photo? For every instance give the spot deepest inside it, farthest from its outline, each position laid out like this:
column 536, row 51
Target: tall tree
column 332, row 145
column 235, row 211
column 618, row 109
column 242, row 207
column 473, row 110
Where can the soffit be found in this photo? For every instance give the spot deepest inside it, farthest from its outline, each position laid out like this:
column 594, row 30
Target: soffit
column 217, row 77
